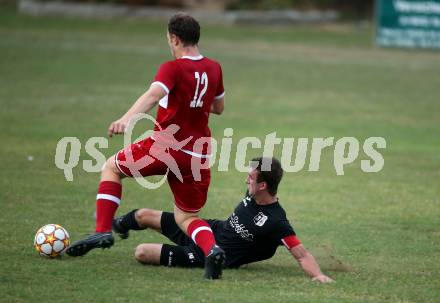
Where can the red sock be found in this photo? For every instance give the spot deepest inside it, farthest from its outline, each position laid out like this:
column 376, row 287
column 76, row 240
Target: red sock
column 107, row 202
column 202, row 235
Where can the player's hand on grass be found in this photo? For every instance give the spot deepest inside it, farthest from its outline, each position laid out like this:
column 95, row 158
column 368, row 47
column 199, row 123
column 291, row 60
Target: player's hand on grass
column 117, row 127
column 323, row 279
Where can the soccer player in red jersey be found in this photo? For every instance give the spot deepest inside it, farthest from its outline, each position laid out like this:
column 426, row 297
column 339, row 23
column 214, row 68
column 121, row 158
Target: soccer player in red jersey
column 187, row 90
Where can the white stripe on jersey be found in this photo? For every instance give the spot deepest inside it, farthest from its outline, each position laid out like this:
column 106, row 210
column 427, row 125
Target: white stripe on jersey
column 194, row 58
column 219, row 96
column 165, row 88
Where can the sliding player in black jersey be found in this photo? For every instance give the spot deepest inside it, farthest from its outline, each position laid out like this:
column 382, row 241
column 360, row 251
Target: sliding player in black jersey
column 252, row 232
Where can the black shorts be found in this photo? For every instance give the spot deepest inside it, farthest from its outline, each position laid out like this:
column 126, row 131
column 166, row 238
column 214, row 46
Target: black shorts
column 186, row 253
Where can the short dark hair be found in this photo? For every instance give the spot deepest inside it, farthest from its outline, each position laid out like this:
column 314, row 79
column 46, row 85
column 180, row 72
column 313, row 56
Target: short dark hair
column 186, row 28
column 269, row 171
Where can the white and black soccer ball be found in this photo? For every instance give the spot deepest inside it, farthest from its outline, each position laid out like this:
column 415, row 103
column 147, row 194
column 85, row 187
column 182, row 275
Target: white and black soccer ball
column 51, row 240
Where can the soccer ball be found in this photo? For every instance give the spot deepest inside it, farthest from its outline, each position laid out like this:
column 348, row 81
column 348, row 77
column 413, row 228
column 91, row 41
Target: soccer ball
column 51, row 240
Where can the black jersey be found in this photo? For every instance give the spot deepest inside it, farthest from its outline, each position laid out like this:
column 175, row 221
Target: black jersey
column 252, row 232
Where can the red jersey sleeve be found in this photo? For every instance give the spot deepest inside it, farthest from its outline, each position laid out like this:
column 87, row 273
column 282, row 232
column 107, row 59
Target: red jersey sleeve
column 220, row 92
column 166, row 76
column 290, row 241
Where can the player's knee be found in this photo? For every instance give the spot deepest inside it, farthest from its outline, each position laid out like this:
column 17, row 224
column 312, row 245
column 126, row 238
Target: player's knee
column 109, row 164
column 110, row 167
column 141, row 253
column 179, row 218
column 149, row 218
column 146, row 254
column 184, row 219
column 144, row 214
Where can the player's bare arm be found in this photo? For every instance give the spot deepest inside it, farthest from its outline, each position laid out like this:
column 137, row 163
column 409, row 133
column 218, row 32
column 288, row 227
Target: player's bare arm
column 309, row 264
column 142, row 105
column 218, row 106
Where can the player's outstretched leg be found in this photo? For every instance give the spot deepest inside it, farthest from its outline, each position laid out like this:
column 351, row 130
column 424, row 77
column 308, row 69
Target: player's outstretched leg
column 107, row 202
column 189, row 197
column 201, row 233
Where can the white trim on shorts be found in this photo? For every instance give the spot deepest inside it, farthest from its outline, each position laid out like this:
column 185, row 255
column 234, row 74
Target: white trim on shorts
column 117, row 164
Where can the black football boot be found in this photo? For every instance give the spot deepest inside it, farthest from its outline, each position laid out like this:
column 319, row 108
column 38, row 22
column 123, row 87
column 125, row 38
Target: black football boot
column 97, row 240
column 214, row 263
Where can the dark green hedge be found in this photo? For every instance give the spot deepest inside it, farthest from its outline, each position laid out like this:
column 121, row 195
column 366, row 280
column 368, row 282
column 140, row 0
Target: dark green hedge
column 350, row 7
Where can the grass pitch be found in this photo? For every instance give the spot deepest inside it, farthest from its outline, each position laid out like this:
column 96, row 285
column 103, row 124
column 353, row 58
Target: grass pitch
column 376, row 234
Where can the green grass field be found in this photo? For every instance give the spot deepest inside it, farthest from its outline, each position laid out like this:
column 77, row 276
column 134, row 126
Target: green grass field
column 376, row 234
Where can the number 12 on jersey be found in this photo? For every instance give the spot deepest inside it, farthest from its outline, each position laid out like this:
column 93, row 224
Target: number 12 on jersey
column 197, row 100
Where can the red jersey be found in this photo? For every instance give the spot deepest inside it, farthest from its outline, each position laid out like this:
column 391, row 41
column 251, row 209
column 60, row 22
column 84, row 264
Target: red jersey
column 192, row 85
